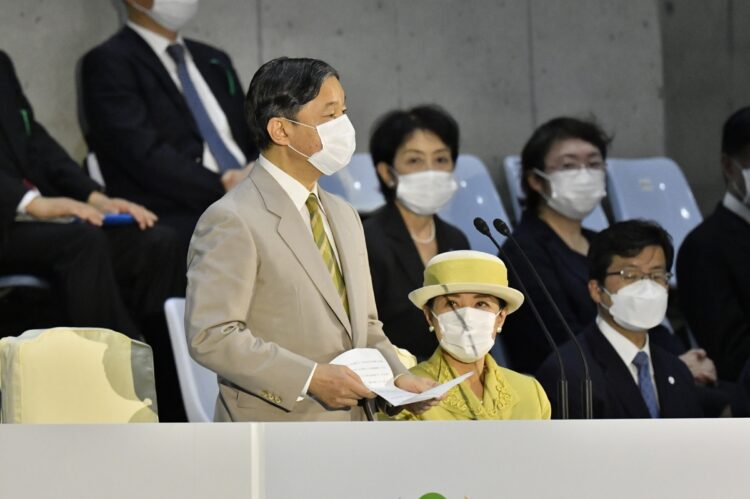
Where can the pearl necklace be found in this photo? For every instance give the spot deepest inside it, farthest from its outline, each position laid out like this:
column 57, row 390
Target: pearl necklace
column 427, row 240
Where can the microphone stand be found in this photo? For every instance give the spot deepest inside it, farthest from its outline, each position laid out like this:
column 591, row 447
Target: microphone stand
column 562, row 382
column 586, row 389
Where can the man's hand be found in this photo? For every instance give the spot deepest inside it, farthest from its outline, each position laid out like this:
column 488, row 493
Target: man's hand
column 230, row 178
column 338, row 387
column 701, row 366
column 143, row 217
column 415, row 384
column 45, row 208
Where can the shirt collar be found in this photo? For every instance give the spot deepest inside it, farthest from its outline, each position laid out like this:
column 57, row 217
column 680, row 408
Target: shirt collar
column 625, row 348
column 737, row 207
column 297, row 192
column 157, row 42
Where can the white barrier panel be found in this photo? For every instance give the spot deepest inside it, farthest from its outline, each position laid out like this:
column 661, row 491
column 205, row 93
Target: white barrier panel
column 613, row 459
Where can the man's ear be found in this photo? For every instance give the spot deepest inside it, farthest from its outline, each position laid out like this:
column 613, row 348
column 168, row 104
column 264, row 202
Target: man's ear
column 595, row 291
column 277, row 131
column 384, row 171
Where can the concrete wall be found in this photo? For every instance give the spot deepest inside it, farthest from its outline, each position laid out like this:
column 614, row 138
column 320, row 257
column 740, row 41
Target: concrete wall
column 501, row 67
column 706, row 78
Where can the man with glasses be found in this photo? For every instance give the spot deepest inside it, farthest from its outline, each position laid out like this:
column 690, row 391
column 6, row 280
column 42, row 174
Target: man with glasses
column 713, row 264
column 632, row 376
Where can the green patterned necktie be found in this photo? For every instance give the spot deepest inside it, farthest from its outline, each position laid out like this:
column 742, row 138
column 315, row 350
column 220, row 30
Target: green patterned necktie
column 326, row 250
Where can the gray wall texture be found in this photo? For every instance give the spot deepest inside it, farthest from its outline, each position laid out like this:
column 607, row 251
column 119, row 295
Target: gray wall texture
column 706, row 78
column 500, row 67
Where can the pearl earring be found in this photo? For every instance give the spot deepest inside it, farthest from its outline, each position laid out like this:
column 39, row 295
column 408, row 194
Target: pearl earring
column 500, row 328
column 431, row 329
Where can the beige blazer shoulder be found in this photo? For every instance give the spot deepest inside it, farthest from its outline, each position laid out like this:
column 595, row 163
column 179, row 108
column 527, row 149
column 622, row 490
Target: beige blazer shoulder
column 262, row 308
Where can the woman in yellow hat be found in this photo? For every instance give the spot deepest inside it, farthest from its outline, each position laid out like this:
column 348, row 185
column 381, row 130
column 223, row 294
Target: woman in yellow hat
column 465, row 300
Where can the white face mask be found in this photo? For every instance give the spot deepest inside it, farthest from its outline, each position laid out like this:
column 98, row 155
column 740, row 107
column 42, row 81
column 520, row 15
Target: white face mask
column 575, row 193
column 338, row 139
column 467, row 333
column 424, row 193
column 172, row 14
column 639, row 306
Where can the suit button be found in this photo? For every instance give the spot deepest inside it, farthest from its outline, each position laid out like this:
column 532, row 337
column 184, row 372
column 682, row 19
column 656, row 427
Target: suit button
column 198, row 159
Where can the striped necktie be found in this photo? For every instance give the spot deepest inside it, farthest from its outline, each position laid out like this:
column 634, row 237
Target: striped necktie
column 645, row 384
column 326, row 250
column 224, row 158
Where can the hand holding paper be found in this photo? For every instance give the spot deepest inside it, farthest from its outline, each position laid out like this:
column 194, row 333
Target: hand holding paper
column 376, row 374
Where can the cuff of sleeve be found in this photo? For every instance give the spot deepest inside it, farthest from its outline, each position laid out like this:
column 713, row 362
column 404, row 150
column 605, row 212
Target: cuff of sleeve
column 27, row 198
column 307, row 384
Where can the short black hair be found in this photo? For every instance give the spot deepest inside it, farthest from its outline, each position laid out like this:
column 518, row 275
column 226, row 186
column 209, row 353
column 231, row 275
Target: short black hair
column 735, row 135
column 626, row 239
column 397, row 126
column 537, row 147
column 280, row 88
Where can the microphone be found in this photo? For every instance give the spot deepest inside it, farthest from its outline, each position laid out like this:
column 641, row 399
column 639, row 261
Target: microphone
column 586, row 390
column 562, row 382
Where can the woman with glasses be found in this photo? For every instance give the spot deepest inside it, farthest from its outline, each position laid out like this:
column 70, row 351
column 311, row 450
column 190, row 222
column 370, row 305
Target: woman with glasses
column 414, row 153
column 563, row 179
column 465, row 299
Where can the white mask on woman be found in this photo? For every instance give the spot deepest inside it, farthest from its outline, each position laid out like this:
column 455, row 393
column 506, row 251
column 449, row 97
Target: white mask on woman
column 172, row 14
column 339, row 142
column 424, row 193
column 639, row 306
column 467, row 333
column 575, row 193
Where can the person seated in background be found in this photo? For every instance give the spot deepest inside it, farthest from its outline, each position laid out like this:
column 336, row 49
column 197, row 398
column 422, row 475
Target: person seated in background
column 116, row 278
column 465, row 300
column 713, row 264
column 414, row 153
column 632, row 377
column 562, row 176
column 165, row 115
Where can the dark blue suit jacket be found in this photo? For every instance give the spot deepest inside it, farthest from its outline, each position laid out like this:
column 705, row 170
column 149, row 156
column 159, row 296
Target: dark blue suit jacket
column 616, row 395
column 141, row 129
column 712, row 272
column 27, row 152
column 565, row 273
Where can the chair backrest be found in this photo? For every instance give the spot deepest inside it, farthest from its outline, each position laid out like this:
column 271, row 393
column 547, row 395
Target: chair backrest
column 654, row 189
column 476, row 197
column 357, row 183
column 76, row 375
column 596, row 221
column 22, row 281
column 198, row 385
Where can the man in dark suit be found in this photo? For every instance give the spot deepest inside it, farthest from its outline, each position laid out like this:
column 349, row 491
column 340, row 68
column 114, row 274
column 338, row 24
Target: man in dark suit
column 632, row 377
column 165, row 115
column 713, row 264
column 117, row 277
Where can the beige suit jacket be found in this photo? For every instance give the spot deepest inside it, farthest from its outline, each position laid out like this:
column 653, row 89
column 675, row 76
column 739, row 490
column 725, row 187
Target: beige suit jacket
column 262, row 308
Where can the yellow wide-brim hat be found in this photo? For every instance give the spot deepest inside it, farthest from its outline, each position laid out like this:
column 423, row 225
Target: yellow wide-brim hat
column 466, row 271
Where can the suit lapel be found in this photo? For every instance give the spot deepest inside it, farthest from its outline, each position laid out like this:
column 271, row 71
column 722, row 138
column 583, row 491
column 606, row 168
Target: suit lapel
column 296, row 236
column 150, row 60
column 406, row 253
column 669, row 393
column 620, row 383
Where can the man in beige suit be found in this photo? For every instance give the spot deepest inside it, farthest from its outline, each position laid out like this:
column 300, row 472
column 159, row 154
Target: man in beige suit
column 279, row 282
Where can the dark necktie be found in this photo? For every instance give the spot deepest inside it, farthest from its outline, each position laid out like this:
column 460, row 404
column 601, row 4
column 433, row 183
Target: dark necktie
column 224, row 158
column 644, row 383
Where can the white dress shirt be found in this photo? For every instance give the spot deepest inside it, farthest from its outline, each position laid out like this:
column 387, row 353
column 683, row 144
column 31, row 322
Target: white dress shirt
column 736, row 206
column 159, row 45
column 626, row 350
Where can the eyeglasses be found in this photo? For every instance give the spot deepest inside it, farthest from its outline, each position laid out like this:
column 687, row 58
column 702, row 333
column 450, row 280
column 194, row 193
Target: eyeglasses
column 572, row 165
column 630, row 276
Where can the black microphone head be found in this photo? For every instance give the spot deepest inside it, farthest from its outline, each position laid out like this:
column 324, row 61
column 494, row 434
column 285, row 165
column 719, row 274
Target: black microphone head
column 501, row 227
column 482, row 226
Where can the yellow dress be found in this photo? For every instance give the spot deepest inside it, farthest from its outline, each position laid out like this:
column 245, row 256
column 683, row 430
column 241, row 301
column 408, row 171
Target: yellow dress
column 507, row 394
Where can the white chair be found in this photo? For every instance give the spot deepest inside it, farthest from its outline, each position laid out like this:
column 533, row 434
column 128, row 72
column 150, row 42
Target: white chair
column 357, row 183
column 198, row 385
column 653, row 189
column 476, row 197
column 596, row 221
